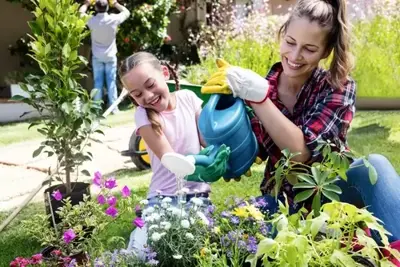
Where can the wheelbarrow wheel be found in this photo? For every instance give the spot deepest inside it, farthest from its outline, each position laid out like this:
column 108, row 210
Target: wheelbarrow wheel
column 136, row 143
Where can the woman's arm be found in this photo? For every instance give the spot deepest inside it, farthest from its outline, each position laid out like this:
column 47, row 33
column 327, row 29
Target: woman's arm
column 329, row 118
column 283, row 132
column 157, row 143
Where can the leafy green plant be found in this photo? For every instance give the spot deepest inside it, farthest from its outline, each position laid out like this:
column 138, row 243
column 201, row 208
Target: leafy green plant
column 324, row 240
column 82, row 224
column 68, row 111
column 146, row 28
column 318, row 179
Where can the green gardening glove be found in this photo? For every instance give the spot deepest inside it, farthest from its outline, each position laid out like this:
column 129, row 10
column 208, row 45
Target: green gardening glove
column 215, row 170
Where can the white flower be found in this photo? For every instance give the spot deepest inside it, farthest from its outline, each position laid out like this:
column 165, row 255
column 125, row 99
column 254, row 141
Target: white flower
column 164, row 205
column 167, row 200
column 196, row 191
column 144, row 202
column 197, row 201
column 163, row 234
column 177, row 257
column 148, row 210
column 155, row 236
column 185, row 224
column 156, row 216
column 185, row 190
column 154, row 226
column 189, row 236
column 203, row 217
column 166, row 225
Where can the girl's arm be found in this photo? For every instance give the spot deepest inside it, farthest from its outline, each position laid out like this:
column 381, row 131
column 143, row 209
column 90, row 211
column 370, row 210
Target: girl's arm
column 157, row 143
column 202, row 142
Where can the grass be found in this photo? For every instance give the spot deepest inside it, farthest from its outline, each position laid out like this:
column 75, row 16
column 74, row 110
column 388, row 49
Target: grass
column 18, row 131
column 371, row 132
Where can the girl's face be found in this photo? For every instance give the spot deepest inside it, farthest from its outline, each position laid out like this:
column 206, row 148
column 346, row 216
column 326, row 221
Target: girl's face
column 147, row 86
column 302, row 47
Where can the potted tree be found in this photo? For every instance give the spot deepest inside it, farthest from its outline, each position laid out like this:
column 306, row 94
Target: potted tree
column 70, row 113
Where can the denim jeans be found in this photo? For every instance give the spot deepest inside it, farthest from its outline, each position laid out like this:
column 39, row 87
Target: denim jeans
column 382, row 199
column 105, row 71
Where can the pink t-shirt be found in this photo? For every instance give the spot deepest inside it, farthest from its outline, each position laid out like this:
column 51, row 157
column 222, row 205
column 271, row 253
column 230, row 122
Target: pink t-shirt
column 180, row 128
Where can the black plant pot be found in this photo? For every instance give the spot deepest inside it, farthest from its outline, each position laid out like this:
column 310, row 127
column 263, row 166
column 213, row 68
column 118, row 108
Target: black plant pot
column 79, row 189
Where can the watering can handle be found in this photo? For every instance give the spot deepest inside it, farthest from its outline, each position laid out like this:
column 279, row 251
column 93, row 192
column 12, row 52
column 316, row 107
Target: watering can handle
column 205, row 160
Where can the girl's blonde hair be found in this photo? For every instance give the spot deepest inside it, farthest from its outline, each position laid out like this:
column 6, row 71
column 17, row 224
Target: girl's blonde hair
column 144, row 57
column 330, row 14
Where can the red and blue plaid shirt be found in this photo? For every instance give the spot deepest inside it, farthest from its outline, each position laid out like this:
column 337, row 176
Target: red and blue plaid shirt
column 321, row 112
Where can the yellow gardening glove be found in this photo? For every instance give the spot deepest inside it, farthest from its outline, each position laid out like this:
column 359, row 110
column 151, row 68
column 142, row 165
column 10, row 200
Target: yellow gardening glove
column 242, row 83
column 217, row 84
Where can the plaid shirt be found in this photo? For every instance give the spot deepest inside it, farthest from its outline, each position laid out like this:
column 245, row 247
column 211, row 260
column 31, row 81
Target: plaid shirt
column 320, row 111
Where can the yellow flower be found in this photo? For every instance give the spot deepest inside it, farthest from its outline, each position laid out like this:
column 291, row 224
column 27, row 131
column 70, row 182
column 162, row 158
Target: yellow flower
column 217, row 230
column 245, row 236
column 255, row 213
column 203, row 252
column 241, row 212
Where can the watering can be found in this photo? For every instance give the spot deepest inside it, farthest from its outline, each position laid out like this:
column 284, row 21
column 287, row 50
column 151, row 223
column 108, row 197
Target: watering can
column 222, row 121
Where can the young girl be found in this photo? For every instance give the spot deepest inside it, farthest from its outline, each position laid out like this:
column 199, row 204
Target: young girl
column 166, row 121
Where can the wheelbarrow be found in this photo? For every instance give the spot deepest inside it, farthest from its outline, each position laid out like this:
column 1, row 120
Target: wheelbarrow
column 137, row 148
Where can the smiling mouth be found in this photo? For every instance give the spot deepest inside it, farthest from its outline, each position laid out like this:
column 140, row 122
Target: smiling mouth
column 293, row 65
column 155, row 101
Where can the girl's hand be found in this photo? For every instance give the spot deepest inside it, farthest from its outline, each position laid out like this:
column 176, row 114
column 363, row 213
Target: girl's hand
column 242, row 83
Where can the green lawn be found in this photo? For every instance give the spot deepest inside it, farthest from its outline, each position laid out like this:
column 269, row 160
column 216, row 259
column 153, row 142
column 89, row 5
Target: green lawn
column 18, row 131
column 371, row 132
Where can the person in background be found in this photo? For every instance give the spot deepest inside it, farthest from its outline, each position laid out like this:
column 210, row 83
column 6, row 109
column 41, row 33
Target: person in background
column 103, row 29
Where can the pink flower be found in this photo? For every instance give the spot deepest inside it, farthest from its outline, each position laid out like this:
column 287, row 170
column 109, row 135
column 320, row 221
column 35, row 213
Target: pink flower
column 101, row 199
column 112, row 201
column 138, row 222
column 126, row 192
column 36, row 259
column 69, row 235
column 111, row 183
column 19, row 262
column 57, row 195
column 112, row 211
column 56, row 252
column 97, row 179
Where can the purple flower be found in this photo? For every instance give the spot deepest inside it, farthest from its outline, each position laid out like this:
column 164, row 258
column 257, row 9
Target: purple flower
column 69, row 235
column 264, row 229
column 112, row 211
column 153, row 262
column 241, row 244
column 57, row 195
column 112, row 201
column 72, row 263
column 252, row 245
column 211, row 209
column 97, row 179
column 101, row 199
column 126, row 192
column 138, row 222
column 111, row 183
column 261, row 202
column 235, row 220
column 225, row 214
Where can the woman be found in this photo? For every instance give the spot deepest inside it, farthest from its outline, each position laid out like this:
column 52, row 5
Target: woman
column 299, row 104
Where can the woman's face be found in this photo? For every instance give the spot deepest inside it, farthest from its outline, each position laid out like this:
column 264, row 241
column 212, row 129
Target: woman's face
column 147, row 86
column 302, row 47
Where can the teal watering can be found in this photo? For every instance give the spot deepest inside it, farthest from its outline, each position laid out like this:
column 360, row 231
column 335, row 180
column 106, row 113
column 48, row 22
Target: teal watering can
column 224, row 121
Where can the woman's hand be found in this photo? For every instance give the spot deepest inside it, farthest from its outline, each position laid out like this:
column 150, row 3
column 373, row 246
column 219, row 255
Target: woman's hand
column 242, row 83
